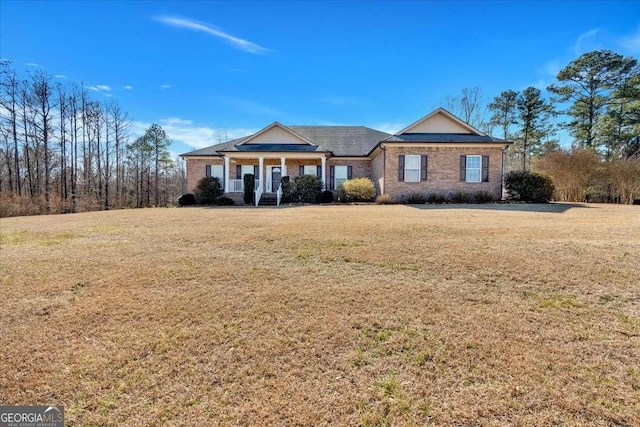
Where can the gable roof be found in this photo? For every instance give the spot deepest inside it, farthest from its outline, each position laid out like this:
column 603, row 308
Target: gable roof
column 276, row 125
column 353, row 141
column 447, row 115
column 340, row 140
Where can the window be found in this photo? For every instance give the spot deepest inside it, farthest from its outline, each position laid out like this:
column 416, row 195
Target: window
column 338, row 175
column 215, row 171
column 474, row 167
column 412, row 168
column 310, row 170
column 341, row 176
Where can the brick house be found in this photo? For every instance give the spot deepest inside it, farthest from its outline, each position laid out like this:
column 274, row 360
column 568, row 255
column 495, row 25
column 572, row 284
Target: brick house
column 438, row 153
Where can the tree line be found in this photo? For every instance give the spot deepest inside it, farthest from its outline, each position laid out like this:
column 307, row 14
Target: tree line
column 596, row 99
column 61, row 151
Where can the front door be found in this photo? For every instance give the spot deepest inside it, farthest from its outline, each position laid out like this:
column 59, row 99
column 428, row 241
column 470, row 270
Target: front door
column 276, row 174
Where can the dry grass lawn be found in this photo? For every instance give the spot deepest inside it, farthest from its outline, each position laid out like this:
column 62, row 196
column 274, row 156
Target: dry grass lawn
column 325, row 315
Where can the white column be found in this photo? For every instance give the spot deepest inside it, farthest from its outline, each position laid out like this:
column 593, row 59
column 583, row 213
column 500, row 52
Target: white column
column 283, row 167
column 227, row 162
column 323, row 175
column 261, row 173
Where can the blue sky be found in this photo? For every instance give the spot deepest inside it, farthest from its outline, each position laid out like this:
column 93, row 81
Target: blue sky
column 207, row 69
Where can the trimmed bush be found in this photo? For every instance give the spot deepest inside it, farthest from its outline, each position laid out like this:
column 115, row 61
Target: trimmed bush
column 358, row 190
column 528, row 186
column 436, row 198
column 287, row 189
column 207, row 190
column 460, row 196
column 384, row 199
column 308, row 188
column 188, row 199
column 416, row 198
column 249, row 188
column 224, row 201
column 484, row 196
column 326, row 197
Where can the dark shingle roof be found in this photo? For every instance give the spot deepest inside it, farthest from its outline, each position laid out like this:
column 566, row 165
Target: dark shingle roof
column 340, row 140
column 444, row 137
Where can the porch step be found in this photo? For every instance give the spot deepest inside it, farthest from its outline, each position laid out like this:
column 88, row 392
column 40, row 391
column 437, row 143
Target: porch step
column 268, row 199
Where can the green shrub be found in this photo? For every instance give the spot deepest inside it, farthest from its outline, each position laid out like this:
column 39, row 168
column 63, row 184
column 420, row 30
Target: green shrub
column 287, row 189
column 249, row 188
column 223, row 201
column 384, row 199
column 416, row 198
column 207, row 190
column 326, row 196
column 187, row 199
column 436, row 197
column 358, row 190
column 528, row 186
column 308, row 188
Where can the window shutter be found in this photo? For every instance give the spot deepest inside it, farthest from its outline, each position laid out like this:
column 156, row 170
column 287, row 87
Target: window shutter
column 207, row 171
column 332, row 177
column 401, row 168
column 349, row 172
column 423, row 168
column 238, row 171
column 485, row 168
column 319, row 172
column 256, row 172
column 301, row 170
column 463, row 168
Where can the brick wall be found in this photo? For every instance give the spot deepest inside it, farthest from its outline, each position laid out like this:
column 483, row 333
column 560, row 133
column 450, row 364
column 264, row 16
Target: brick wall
column 443, row 173
column 196, row 170
column 377, row 172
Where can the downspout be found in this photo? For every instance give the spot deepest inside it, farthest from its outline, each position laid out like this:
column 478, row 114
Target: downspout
column 384, row 167
column 504, row 151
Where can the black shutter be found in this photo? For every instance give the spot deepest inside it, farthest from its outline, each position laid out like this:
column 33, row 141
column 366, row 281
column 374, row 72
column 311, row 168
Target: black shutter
column 238, row 171
column 401, row 168
column 207, row 171
column 463, row 168
column 423, row 168
column 256, row 172
column 485, row 168
column 300, row 170
column 349, row 172
column 332, row 177
column 319, row 172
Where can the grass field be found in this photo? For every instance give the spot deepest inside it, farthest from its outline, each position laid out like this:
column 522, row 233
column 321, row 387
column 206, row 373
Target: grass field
column 325, row 315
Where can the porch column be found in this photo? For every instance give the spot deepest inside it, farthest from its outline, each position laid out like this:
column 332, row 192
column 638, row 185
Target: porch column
column 323, row 175
column 227, row 162
column 261, row 174
column 283, row 167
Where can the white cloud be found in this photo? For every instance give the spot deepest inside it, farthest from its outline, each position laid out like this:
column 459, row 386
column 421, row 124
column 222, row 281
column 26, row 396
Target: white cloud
column 127, row 87
column 391, row 128
column 238, row 43
column 60, row 76
column 580, row 41
column 93, row 88
column 166, row 86
column 185, row 132
column 632, row 43
column 32, row 64
column 103, row 87
column 176, row 121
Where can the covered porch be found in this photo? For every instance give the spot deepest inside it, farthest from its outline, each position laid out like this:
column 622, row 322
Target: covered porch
column 268, row 170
